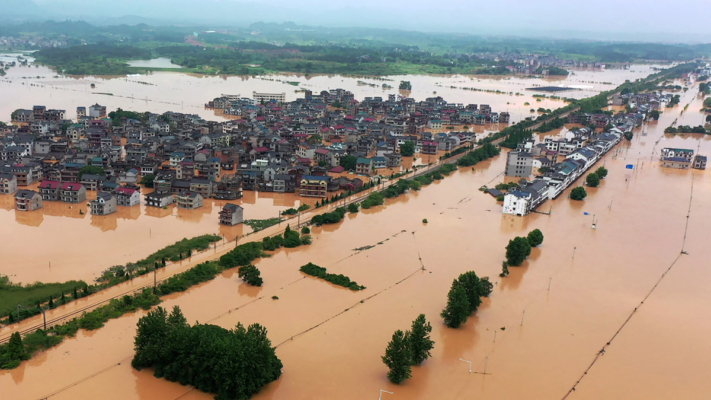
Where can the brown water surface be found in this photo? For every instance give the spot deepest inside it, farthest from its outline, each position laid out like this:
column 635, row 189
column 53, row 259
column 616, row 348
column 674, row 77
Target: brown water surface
column 559, row 309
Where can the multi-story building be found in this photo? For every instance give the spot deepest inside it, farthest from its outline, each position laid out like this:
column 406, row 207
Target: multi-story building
column 104, row 204
column 49, row 190
column 699, row 162
column 267, row 97
column 8, row 183
column 314, row 186
column 364, row 166
column 189, row 200
column 72, row 192
column 155, row 199
column 231, row 214
column 127, row 197
column 519, row 164
column 27, row 200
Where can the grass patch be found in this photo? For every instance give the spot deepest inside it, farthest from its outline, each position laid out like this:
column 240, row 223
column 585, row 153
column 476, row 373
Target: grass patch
column 259, row 224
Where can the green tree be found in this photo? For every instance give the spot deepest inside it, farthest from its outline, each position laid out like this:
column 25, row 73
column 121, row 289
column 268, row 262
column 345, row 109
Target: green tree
column 578, row 193
column 601, row 172
column 517, row 250
column 398, row 358
column 14, row 352
column 407, row 149
column 75, row 295
column 315, row 139
column 322, row 163
column 348, row 162
column 353, row 208
column 51, row 302
column 654, row 114
column 535, row 237
column 305, row 230
column 592, row 180
column 470, row 282
column 251, row 275
column 457, row 310
column 91, row 170
column 420, row 342
column 147, row 180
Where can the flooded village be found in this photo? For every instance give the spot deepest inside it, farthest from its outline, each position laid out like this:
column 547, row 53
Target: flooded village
column 573, row 321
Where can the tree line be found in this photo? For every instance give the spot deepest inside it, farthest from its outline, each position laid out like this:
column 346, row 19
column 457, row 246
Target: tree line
column 234, row 364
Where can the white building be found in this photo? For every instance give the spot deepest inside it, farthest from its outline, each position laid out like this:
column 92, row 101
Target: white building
column 267, row 97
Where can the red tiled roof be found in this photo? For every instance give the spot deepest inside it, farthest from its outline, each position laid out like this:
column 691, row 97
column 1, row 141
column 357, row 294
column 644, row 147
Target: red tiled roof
column 73, row 186
column 125, row 190
column 49, row 185
column 261, row 149
column 336, row 170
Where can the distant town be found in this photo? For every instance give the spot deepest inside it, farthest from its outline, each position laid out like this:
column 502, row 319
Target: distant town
column 315, row 146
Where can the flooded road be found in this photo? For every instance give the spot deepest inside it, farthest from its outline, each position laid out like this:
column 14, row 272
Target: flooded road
column 574, row 294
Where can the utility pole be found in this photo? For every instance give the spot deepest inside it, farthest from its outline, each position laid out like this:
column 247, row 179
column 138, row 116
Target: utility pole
column 549, row 283
column 523, row 315
column 44, row 317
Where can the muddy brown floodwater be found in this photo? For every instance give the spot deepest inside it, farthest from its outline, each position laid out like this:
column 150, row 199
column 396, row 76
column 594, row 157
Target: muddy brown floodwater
column 576, row 292
column 80, row 246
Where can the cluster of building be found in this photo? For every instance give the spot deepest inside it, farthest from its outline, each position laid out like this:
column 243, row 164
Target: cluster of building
column 681, row 159
column 560, row 175
column 560, row 161
column 642, row 102
column 529, row 64
column 31, row 42
column 294, row 147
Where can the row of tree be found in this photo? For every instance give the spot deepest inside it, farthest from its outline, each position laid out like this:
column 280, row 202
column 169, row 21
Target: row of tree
column 234, row 364
column 407, row 349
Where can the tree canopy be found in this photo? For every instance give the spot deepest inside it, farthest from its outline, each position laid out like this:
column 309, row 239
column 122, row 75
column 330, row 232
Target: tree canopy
column 407, row 149
column 593, row 180
column 535, row 237
column 578, row 193
column 349, row 162
column 517, row 250
column 398, row 358
column 204, row 355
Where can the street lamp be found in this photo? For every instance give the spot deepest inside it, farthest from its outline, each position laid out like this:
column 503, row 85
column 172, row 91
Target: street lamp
column 381, row 393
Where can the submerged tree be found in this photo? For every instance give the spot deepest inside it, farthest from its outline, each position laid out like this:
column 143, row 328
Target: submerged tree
column 420, row 342
column 457, row 310
column 593, row 180
column 250, row 274
column 601, row 172
column 517, row 250
column 397, row 357
column 578, row 193
column 535, row 237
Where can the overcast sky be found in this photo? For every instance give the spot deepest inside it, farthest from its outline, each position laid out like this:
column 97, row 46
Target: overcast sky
column 681, row 20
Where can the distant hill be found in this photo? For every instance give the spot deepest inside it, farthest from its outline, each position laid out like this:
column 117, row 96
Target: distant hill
column 21, row 9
